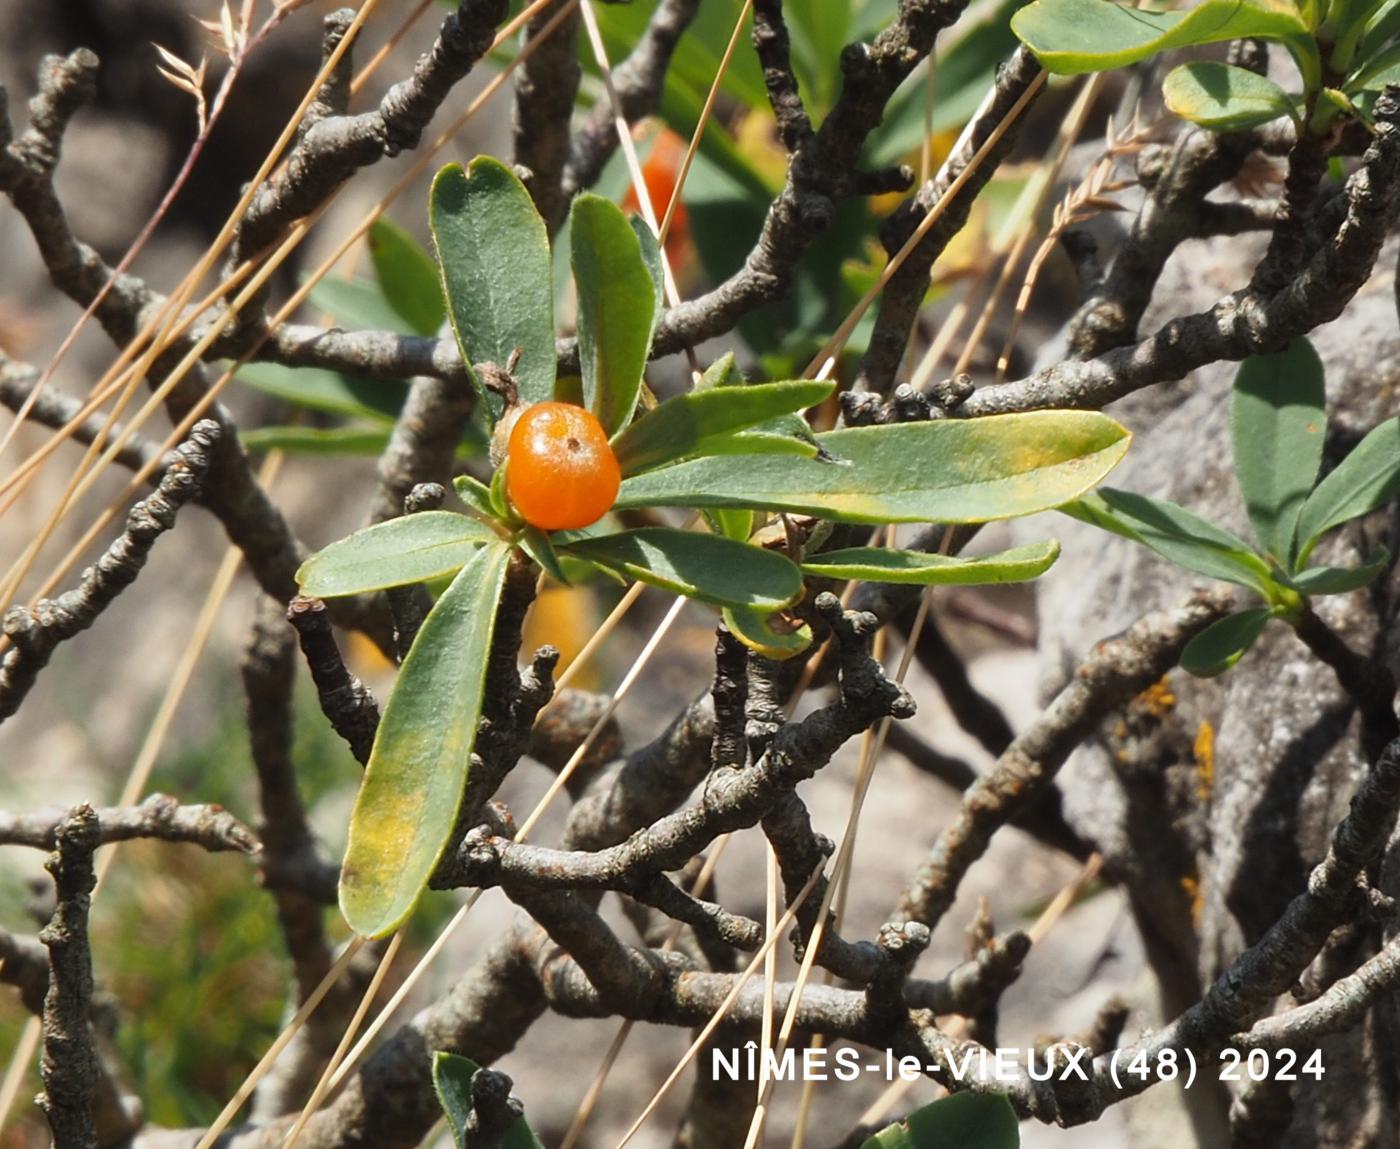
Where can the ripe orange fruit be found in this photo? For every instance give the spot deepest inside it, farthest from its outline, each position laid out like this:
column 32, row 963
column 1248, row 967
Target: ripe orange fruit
column 660, row 171
column 561, row 473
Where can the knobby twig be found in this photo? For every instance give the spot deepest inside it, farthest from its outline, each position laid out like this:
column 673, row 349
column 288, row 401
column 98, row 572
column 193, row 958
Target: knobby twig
column 69, row 1063
column 24, row 964
column 494, row 1110
column 546, row 87
column 1116, row 670
column 336, row 147
column 1177, row 178
column 35, row 633
column 904, row 294
column 637, row 81
column 55, row 410
column 160, row 817
column 1246, row 322
column 345, row 700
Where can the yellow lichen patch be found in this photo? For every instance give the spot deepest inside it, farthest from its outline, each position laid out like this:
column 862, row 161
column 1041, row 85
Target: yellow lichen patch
column 1203, row 750
column 1158, row 699
column 1191, row 884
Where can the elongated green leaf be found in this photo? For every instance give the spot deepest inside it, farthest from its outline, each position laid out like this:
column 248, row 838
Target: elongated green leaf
column 721, row 373
column 350, row 439
column 1340, row 580
column 1365, row 86
column 407, row 276
column 737, row 525
column 1071, row 37
column 536, row 543
column 331, row 391
column 707, row 567
column 407, row 805
column 357, row 303
column 880, row 564
column 676, row 427
column 616, row 308
column 962, row 1121
column 295, row 440
column 1366, row 479
column 819, row 32
column 493, row 253
column 656, row 268
column 1174, row 533
column 452, row 1081
column 1382, row 26
column 966, row 70
column 1224, row 643
column 1376, row 73
column 1278, row 420
column 476, row 494
column 758, row 442
column 951, row 470
column 394, row 553
column 777, row 636
column 1224, row 97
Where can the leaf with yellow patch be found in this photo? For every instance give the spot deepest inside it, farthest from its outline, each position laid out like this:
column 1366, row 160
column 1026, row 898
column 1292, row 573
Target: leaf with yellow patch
column 948, row 470
column 407, row 805
column 778, row 636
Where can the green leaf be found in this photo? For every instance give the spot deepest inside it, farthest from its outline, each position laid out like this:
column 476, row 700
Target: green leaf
column 616, row 308
column 1382, row 26
column 1224, row 97
column 1174, row 533
column 880, row 564
column 1224, row 643
column 317, row 440
column 721, row 373
column 1377, row 72
column 452, row 1081
column 819, row 32
column 948, row 470
column 476, row 494
column 651, row 256
column 965, row 71
column 962, row 1121
column 405, row 550
column 407, row 806
column 1071, row 37
column 357, row 303
column 536, row 543
column 756, row 630
column 500, row 504
column 677, row 427
column 1366, row 85
column 1278, row 421
column 737, row 525
column 757, row 441
column 706, row 567
column 493, row 252
column 320, row 390
column 1366, row 479
column 1347, row 20
column 1340, row 580
column 407, row 276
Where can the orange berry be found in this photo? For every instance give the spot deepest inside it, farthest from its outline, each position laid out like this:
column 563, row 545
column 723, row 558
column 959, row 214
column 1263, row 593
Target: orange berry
column 660, row 172
column 561, row 473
